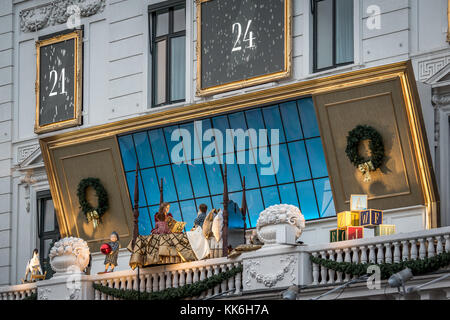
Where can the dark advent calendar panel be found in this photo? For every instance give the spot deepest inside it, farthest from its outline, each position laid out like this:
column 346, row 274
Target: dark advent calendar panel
column 59, row 83
column 242, row 43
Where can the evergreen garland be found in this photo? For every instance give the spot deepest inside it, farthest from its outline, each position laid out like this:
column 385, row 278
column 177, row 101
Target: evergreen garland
column 102, row 195
column 418, row 266
column 188, row 290
column 32, row 296
column 363, row 132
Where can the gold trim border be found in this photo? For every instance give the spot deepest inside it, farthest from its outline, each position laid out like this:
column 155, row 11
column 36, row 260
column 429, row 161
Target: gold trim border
column 239, row 84
column 400, row 70
column 78, row 82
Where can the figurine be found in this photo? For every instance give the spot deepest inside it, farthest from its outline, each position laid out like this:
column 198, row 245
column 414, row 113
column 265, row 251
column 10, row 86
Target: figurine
column 162, row 226
column 33, row 268
column 201, row 216
column 111, row 257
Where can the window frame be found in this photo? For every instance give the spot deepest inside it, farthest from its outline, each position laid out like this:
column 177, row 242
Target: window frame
column 334, row 64
column 153, row 10
column 41, row 197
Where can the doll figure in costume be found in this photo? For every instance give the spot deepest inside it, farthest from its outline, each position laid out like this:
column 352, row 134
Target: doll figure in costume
column 201, row 216
column 163, row 219
column 111, row 258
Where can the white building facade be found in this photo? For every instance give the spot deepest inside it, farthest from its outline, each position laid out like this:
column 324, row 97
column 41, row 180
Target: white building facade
column 117, row 85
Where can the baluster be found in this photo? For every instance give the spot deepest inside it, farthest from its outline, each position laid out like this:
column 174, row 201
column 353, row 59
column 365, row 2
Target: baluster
column 223, row 285
column 182, row 278
column 355, row 257
column 110, row 285
column 388, row 247
column 431, row 252
column 447, row 243
column 175, row 279
column 315, row 270
column 189, row 276
column 363, row 250
column 414, row 253
column 347, row 259
column 422, row 249
column 331, row 272
column 162, row 281
column 231, row 280
column 168, row 279
column 104, row 296
column 439, row 247
column 380, row 253
column 339, row 258
column 129, row 283
column 148, row 283
column 142, row 283
column 11, row 296
column 372, row 256
column 238, row 280
column 97, row 295
column 209, row 274
column 217, row 287
column 155, row 282
column 397, row 254
column 135, row 283
column 323, row 269
column 202, row 277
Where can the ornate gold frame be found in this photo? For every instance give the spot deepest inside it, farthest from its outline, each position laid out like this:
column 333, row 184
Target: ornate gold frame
column 252, row 81
column 402, row 71
column 78, row 81
column 448, row 21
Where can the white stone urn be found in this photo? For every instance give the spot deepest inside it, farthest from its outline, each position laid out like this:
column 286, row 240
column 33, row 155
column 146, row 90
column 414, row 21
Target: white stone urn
column 69, row 255
column 280, row 223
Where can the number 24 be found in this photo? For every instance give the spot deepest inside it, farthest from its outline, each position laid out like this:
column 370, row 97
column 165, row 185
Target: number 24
column 248, row 39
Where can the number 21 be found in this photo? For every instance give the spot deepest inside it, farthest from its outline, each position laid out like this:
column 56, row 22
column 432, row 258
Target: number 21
column 63, row 82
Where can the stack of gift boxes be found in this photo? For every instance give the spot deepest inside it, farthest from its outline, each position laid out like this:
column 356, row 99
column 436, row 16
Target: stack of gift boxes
column 351, row 224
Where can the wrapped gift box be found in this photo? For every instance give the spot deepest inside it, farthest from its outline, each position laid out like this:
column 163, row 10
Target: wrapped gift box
column 348, row 219
column 337, row 235
column 370, row 218
column 354, row 233
column 384, row 229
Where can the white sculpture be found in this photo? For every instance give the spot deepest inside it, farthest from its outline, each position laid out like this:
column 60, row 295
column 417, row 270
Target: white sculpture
column 69, row 254
column 279, row 218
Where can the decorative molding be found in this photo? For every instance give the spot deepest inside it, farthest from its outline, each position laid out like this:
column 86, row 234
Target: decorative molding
column 428, row 68
column 441, row 100
column 25, row 152
column 43, row 293
column 54, row 13
column 271, row 279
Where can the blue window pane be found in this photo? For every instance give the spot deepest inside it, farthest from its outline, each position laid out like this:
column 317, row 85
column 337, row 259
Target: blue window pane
column 189, row 213
column 128, row 153
column 291, row 122
column 206, row 201
column 308, row 204
column 151, row 186
column 316, row 158
column 198, row 179
column 200, row 128
column 168, row 135
column 217, row 202
column 153, row 210
column 255, row 206
column 308, row 117
column 324, row 197
column 288, row 194
column 299, row 160
column 182, row 181
column 234, row 180
column 145, row 226
column 221, row 123
column 131, row 179
column 175, row 211
column 270, row 196
column 255, row 121
column 249, row 172
column 235, row 220
column 214, row 176
column 188, row 146
column 143, row 150
column 165, row 173
column 272, row 119
column 284, row 174
column 237, row 123
column 158, row 143
column 265, row 166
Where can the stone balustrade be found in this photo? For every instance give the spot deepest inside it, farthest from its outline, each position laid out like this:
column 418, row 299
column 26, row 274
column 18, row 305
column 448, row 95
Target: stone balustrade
column 384, row 249
column 158, row 278
column 17, row 292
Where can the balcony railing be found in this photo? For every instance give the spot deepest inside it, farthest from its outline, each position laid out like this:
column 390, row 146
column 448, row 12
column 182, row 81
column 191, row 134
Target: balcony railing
column 17, row 292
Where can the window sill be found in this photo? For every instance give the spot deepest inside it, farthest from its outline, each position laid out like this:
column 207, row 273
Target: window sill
column 349, row 67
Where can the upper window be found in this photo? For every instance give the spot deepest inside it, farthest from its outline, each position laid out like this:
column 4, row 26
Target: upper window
column 333, row 33
column 282, row 162
column 168, row 48
column 48, row 230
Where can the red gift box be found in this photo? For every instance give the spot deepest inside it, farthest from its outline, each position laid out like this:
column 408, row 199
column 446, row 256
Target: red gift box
column 354, row 233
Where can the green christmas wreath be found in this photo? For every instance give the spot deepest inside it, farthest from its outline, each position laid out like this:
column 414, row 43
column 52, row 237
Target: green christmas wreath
column 355, row 136
column 91, row 213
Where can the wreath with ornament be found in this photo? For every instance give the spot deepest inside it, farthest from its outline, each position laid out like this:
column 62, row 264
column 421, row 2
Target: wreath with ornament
column 376, row 146
column 91, row 213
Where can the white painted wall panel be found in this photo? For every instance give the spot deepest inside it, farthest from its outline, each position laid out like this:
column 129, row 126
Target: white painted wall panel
column 5, row 132
column 124, row 10
column 4, row 238
column 123, row 67
column 5, row 221
column 5, row 111
column 6, row 58
column 5, row 258
column 6, row 40
column 390, row 22
column 385, row 5
column 5, row 185
column 126, row 48
column 5, row 199
column 126, row 28
column 387, row 46
column 6, row 93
